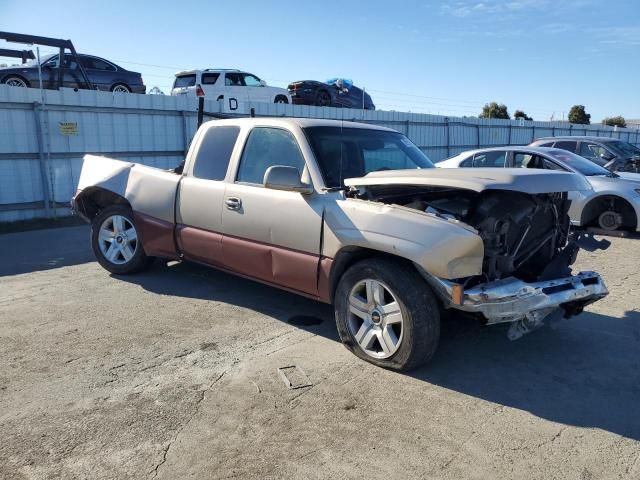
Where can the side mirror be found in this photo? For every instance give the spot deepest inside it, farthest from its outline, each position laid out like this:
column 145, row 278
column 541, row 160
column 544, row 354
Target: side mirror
column 280, row 177
column 607, row 156
column 263, row 83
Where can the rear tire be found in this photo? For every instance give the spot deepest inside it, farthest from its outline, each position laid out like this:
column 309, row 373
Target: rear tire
column 120, row 88
column 281, row 99
column 399, row 326
column 115, row 241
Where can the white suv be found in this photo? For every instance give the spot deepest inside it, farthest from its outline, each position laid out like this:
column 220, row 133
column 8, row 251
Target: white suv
column 217, row 84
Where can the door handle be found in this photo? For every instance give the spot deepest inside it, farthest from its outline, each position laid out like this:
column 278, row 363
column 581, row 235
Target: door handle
column 233, row 203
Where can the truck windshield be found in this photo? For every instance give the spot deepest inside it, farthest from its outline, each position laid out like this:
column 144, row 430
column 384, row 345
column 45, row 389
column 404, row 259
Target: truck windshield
column 344, row 152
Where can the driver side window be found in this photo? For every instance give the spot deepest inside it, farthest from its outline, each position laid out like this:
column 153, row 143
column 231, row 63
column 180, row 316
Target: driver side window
column 267, row 147
column 251, row 80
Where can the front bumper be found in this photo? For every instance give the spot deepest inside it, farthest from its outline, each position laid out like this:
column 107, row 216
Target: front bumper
column 511, row 300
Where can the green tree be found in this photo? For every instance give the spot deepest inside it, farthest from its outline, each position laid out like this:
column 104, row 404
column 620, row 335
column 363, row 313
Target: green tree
column 521, row 114
column 618, row 121
column 577, row 114
column 495, row 110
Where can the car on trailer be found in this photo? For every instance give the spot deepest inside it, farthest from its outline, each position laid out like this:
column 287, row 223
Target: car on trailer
column 224, row 84
column 103, row 74
column 335, row 92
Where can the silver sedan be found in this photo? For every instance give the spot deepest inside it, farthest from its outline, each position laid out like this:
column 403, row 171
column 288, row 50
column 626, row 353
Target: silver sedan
column 614, row 202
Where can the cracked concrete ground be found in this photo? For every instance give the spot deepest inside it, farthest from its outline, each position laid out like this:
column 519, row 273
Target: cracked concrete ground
column 173, row 374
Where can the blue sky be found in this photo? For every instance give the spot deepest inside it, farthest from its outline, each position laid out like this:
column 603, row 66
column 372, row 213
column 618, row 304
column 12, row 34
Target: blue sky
column 449, row 57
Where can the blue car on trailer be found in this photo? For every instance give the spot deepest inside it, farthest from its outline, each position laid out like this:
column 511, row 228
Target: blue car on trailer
column 335, row 92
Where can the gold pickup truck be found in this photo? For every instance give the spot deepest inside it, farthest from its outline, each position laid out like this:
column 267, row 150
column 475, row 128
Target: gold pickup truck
column 354, row 215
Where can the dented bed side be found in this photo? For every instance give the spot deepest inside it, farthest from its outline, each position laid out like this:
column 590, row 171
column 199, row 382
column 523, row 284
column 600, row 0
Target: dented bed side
column 150, row 191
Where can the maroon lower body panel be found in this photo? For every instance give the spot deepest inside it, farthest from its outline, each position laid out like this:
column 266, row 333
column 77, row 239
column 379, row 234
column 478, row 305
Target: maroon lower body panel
column 293, row 270
column 200, row 245
column 324, row 272
column 156, row 235
column 278, row 265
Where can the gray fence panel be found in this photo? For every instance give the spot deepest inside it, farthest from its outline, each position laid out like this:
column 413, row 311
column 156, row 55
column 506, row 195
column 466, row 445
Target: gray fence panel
column 156, row 130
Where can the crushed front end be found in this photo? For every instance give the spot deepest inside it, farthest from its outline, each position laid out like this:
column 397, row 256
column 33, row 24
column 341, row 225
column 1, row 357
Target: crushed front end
column 526, row 274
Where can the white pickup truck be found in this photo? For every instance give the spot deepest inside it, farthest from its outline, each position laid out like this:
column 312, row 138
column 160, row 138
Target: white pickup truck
column 354, row 215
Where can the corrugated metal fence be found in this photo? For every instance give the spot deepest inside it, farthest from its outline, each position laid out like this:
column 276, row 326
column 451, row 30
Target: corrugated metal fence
column 44, row 135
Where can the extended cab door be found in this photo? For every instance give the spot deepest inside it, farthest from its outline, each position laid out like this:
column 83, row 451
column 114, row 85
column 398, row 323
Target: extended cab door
column 201, row 195
column 271, row 235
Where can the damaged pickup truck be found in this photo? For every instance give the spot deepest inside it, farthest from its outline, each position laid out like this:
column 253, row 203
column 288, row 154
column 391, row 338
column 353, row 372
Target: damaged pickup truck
column 353, row 215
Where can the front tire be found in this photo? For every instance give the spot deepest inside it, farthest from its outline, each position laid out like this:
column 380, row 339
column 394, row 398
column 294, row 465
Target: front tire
column 116, row 243
column 281, row 99
column 323, row 99
column 387, row 315
column 15, row 81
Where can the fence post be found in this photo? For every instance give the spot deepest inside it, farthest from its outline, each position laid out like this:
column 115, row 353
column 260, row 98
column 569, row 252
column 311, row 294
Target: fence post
column 478, row 134
column 37, row 113
column 533, row 133
column 446, row 119
column 185, row 140
column 406, row 126
column 510, row 127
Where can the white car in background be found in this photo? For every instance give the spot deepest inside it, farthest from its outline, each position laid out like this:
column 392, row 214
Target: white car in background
column 225, row 84
column 612, row 204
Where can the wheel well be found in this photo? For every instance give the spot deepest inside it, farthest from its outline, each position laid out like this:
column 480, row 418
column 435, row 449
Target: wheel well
column 348, row 256
column 598, row 205
column 18, row 76
column 91, row 201
column 281, row 96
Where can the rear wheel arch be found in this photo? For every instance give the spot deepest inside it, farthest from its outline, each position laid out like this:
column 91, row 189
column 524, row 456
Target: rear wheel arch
column 90, row 202
column 602, row 203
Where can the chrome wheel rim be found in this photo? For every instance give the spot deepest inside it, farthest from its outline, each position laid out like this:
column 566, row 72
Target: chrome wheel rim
column 375, row 320
column 281, row 100
column 117, row 239
column 16, row 82
column 120, row 89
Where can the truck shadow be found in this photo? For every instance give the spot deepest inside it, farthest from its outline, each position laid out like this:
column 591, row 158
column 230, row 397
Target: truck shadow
column 37, row 250
column 584, row 373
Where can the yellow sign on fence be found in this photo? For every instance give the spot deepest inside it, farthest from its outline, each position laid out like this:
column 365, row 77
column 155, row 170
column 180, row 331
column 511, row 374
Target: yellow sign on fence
column 68, row 128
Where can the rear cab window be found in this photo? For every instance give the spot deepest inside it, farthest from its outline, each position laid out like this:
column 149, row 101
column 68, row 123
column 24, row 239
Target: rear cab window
column 183, row 81
column 212, row 158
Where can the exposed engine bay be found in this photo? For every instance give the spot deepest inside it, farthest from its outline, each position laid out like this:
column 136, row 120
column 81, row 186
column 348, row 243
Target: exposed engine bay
column 525, row 236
